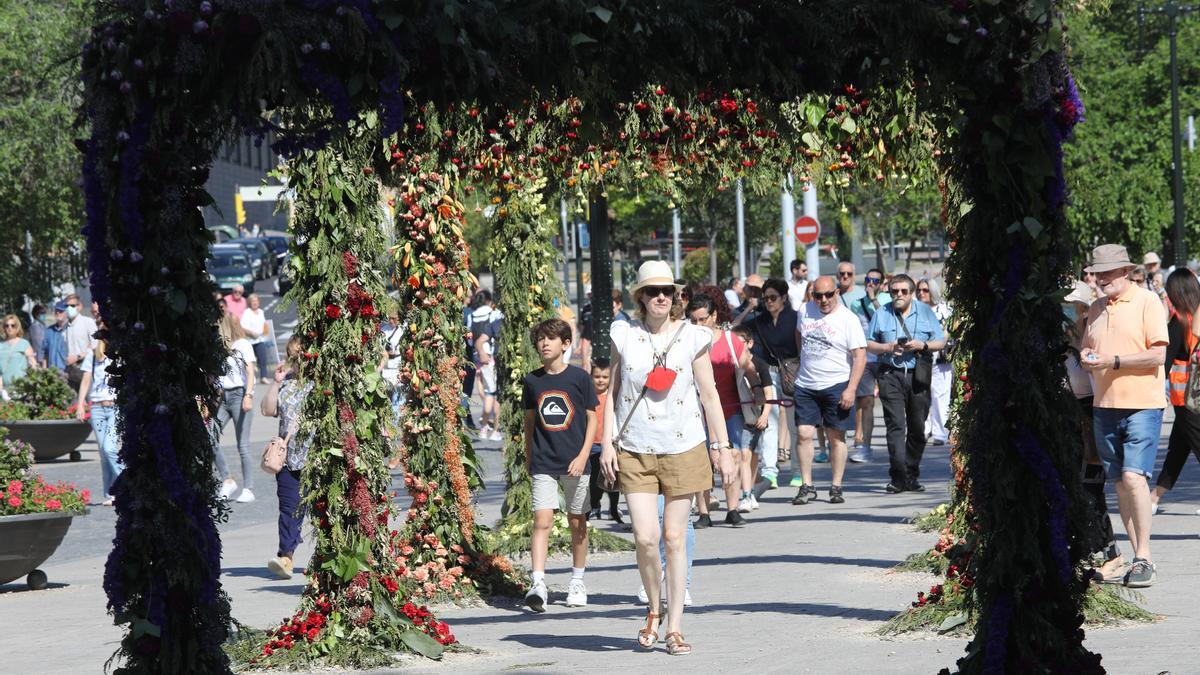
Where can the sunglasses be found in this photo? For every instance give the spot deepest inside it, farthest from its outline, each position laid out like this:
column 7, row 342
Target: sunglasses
column 10, row 325
column 900, row 291
column 922, row 290
column 872, row 281
column 845, row 274
column 771, row 297
column 824, row 296
column 655, row 291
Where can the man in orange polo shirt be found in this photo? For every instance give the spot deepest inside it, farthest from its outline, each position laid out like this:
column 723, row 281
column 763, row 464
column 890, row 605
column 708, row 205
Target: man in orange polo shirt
column 1124, row 350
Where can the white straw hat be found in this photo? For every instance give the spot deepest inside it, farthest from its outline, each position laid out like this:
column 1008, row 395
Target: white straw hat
column 654, row 273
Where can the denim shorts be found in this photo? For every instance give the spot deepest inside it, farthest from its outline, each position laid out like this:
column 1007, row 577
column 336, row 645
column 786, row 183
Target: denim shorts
column 821, row 408
column 733, row 430
column 1127, row 440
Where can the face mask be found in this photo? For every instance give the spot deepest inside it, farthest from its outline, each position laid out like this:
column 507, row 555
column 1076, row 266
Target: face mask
column 72, row 312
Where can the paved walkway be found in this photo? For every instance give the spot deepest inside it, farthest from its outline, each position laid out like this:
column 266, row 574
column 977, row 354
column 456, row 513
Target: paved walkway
column 800, row 589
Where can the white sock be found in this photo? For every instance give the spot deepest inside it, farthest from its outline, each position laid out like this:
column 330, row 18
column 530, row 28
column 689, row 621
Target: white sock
column 538, row 577
column 577, row 573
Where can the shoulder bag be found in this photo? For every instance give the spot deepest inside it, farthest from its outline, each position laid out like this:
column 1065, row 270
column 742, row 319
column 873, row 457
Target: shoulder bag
column 660, row 361
column 923, row 371
column 750, row 410
column 787, row 367
column 274, row 456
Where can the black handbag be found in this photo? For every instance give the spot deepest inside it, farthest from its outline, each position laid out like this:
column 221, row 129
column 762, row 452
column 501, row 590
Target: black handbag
column 922, row 376
column 787, row 367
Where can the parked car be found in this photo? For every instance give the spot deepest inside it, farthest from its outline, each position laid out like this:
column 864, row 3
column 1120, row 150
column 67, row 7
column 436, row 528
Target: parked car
column 260, row 250
column 285, row 276
column 223, row 233
column 229, row 266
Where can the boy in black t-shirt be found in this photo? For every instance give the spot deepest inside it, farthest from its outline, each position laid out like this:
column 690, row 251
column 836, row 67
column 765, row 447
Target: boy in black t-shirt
column 560, row 423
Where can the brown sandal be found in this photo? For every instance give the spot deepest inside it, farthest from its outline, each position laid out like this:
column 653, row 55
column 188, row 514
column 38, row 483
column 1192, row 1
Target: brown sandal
column 648, row 637
column 676, row 646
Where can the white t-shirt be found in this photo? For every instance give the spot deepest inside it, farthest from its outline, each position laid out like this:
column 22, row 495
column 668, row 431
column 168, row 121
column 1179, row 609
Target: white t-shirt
column 664, row 423
column 241, row 353
column 796, row 291
column 825, row 352
column 392, row 336
column 101, row 390
column 732, row 298
column 254, row 321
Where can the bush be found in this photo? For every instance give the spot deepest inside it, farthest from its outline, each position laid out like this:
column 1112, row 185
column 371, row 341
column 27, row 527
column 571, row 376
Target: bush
column 42, row 394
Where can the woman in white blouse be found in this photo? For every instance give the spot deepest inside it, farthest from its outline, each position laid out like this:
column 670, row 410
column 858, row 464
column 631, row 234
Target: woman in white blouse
column 254, row 322
column 654, row 436
column 237, row 404
column 96, row 394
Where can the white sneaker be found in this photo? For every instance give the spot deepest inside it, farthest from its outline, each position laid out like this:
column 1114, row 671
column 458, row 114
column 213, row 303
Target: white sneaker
column 643, row 599
column 687, row 597
column 576, row 593
column 228, row 487
column 745, row 505
column 497, row 435
column 1154, row 509
column 246, row 497
column 535, row 599
column 753, row 502
column 485, row 432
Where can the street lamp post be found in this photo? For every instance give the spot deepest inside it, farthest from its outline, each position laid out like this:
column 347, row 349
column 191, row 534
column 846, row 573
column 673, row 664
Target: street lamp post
column 1174, row 11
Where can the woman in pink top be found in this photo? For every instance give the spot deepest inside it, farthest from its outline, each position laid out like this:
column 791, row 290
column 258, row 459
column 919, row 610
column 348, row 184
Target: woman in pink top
column 728, row 354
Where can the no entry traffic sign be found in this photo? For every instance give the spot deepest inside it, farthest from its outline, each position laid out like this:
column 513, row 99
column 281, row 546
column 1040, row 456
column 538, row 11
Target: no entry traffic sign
column 808, row 230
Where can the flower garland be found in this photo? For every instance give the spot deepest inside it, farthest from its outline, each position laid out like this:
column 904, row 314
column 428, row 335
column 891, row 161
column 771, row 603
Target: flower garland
column 441, row 553
column 351, row 609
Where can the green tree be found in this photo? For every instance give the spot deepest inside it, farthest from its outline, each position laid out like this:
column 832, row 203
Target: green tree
column 1119, row 164
column 39, row 164
column 890, row 210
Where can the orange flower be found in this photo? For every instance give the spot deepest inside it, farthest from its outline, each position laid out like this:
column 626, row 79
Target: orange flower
column 414, row 281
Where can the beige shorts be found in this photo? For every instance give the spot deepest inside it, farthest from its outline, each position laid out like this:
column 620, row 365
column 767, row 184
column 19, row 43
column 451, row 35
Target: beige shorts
column 575, row 491
column 671, row 475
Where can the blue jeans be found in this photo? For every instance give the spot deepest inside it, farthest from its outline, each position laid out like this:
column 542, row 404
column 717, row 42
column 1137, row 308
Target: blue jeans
column 1127, row 440
column 104, row 423
column 689, row 541
column 291, row 516
column 231, row 409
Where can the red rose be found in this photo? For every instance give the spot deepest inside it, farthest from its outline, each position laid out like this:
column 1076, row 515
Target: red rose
column 333, row 311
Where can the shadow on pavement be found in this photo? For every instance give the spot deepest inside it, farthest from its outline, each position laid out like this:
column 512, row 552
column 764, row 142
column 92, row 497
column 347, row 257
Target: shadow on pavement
column 559, row 611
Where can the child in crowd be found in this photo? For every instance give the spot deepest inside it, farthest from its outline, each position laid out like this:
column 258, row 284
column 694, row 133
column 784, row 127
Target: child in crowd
column 752, row 437
column 560, row 424
column 601, row 375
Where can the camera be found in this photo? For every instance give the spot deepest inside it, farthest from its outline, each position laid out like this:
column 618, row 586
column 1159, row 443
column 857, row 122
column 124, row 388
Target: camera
column 901, row 341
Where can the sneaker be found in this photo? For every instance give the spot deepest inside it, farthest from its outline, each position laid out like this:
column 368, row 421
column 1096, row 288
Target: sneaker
column 1142, row 574
column 1154, row 509
column 642, row 598
column 594, row 514
column 745, row 505
column 753, row 502
column 835, row 495
column 702, row 522
column 862, row 454
column 280, row 566
column 915, row 486
column 937, row 441
column 227, row 489
column 804, row 495
column 497, row 435
column 893, row 489
column 687, row 597
column 246, row 497
column 485, row 432
column 765, row 483
column 535, row 599
column 796, row 482
column 734, row 519
column 576, row 593
column 713, row 504
column 821, row 457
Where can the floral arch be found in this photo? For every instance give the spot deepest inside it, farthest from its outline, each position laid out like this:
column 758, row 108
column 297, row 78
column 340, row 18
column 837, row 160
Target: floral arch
column 709, row 91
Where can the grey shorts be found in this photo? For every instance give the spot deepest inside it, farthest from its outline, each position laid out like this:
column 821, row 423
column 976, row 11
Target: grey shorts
column 575, row 491
column 866, row 386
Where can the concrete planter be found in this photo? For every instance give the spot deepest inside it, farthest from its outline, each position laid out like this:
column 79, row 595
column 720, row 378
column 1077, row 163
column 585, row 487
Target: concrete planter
column 26, row 541
column 50, row 439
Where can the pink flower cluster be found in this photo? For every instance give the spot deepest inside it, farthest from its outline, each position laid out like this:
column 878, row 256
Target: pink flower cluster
column 37, row 496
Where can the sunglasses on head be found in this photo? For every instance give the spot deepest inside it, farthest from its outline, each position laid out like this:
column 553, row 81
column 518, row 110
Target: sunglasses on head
column 824, row 296
column 655, row 291
column 900, row 291
column 873, row 280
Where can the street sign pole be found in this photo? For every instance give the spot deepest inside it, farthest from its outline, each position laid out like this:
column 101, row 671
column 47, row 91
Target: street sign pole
column 812, row 254
column 787, row 208
column 675, row 234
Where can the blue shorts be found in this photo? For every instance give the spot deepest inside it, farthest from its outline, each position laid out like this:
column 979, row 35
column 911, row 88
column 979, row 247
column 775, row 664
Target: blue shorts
column 1127, row 440
column 821, row 408
column 734, row 426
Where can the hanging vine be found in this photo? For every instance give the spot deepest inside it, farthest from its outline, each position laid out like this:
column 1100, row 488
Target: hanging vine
column 443, row 553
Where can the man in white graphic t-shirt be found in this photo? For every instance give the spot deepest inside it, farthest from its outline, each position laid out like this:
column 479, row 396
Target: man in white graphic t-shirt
column 832, row 349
